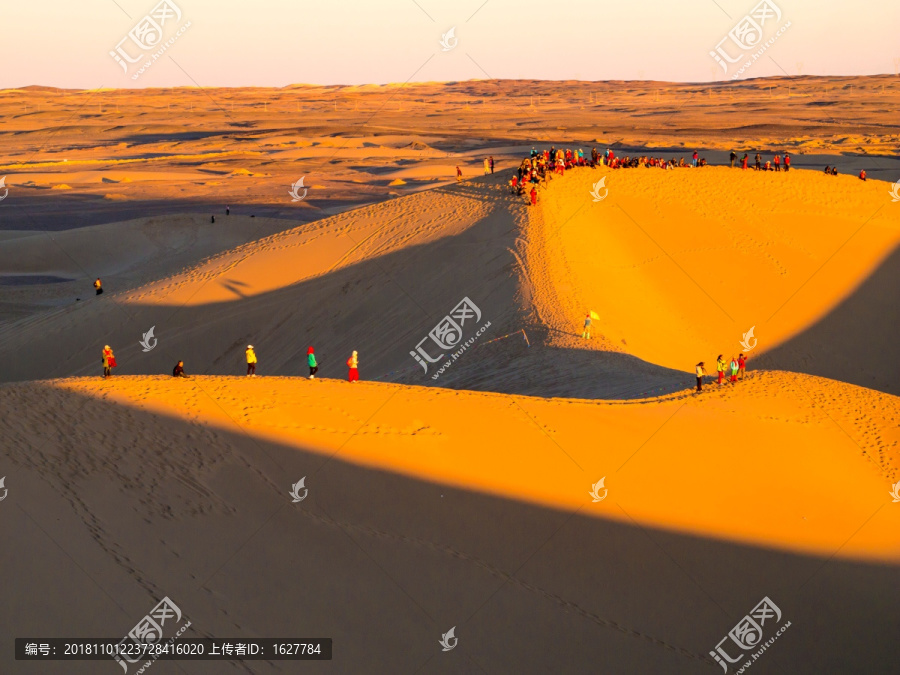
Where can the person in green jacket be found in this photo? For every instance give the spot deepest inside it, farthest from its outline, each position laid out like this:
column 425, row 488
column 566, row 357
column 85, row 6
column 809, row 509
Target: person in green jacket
column 734, row 370
column 311, row 360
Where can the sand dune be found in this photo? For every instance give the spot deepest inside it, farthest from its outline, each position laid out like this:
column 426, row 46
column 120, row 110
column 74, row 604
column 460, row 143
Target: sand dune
column 680, row 264
column 429, row 509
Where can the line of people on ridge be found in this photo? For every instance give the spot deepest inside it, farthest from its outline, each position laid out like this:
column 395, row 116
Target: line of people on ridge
column 775, row 164
column 735, row 368
column 108, row 359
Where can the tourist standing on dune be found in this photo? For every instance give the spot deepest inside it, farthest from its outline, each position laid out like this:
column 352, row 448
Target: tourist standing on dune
column 777, row 162
column 734, row 370
column 227, row 210
column 491, row 158
column 720, row 368
column 98, row 286
column 311, row 360
column 533, row 196
column 487, row 166
column 458, row 174
column 694, row 159
column 758, row 161
column 744, row 161
column 700, row 374
column 787, row 162
column 353, row 365
column 733, row 158
column 742, row 363
column 109, row 361
column 586, row 333
column 251, row 361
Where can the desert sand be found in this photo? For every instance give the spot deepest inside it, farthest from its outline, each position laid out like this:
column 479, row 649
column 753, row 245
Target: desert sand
column 465, row 500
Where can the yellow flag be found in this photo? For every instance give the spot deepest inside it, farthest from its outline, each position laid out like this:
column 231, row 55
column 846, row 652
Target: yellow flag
column 594, row 315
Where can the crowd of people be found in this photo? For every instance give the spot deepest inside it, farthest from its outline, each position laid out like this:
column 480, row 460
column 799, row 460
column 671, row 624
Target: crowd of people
column 540, row 166
column 734, row 370
column 774, row 164
column 109, row 362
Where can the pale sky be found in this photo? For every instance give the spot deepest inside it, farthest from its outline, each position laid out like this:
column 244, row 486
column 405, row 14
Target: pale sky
column 278, row 42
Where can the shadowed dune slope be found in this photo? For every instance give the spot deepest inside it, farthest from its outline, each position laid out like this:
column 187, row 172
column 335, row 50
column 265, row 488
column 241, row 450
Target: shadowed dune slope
column 376, row 280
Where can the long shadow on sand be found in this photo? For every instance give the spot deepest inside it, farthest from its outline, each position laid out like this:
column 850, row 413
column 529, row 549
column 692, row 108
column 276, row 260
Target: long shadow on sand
column 127, row 507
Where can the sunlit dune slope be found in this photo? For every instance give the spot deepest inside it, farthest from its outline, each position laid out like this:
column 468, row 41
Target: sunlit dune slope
column 316, row 249
column 680, row 264
column 783, row 461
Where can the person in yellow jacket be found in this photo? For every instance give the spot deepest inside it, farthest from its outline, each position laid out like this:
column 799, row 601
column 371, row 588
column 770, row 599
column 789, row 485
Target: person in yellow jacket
column 353, row 365
column 251, row 361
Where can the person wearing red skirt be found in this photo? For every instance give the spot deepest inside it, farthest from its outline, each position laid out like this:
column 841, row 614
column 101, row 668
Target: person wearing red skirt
column 353, row 365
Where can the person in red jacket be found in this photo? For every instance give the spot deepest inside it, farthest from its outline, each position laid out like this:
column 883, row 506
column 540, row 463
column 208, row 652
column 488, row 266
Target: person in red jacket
column 109, row 361
column 353, row 365
column 742, row 364
column 533, row 197
column 787, row 162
